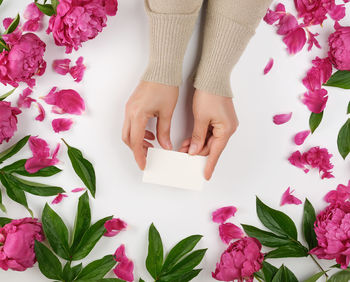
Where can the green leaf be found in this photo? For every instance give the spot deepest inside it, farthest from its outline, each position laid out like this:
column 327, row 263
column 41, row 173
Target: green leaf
column 32, row 187
column 309, row 219
column 3, row 45
column 89, row 239
column 344, row 140
column 187, row 276
column 315, row 277
column 46, row 9
column 141, row 280
column 56, row 232
column 266, row 238
column 14, row 193
column 54, row 4
column 1, row 2
column 275, row 220
column 4, row 96
column 284, row 275
column 82, row 220
column 315, row 121
column 2, row 207
column 19, row 168
column 269, row 271
column 340, row 276
column 4, row 220
column 182, row 248
column 49, row 264
column 348, row 111
column 13, row 149
column 13, row 25
column 184, row 266
column 288, row 251
column 97, row 269
column 340, row 79
column 154, row 258
column 83, row 168
column 70, row 273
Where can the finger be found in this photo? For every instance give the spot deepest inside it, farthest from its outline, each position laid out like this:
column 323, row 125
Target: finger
column 149, row 135
column 198, row 136
column 163, row 132
column 137, row 133
column 186, row 142
column 126, row 132
column 215, row 150
column 147, row 144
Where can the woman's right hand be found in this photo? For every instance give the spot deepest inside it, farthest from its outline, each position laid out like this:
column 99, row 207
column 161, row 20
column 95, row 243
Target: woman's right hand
column 149, row 100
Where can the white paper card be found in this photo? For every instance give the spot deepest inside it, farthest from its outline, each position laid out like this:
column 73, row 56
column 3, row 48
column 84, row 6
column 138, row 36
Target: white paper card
column 171, row 168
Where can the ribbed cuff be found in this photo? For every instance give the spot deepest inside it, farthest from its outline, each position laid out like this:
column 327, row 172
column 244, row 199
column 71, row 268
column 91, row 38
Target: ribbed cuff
column 169, row 36
column 224, row 42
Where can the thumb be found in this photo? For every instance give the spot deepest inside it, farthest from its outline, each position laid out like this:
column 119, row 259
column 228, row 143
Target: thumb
column 199, row 135
column 163, row 132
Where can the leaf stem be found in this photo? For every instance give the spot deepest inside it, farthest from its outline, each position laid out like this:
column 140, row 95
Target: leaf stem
column 319, row 266
column 257, row 278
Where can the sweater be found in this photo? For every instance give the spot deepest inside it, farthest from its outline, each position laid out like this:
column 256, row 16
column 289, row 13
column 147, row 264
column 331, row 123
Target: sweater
column 228, row 27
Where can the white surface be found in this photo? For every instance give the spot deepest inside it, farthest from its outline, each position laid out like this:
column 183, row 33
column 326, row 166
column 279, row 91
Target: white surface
column 175, row 169
column 254, row 162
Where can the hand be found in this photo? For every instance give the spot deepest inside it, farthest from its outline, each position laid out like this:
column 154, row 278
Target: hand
column 148, row 100
column 215, row 121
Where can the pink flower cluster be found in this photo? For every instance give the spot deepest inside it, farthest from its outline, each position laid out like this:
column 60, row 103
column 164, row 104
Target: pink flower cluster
column 23, row 60
column 8, row 120
column 332, row 228
column 78, row 21
column 17, row 240
column 316, row 157
column 125, row 267
column 339, row 47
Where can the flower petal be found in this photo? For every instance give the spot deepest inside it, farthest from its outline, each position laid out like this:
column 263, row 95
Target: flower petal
column 268, row 66
column 77, row 71
column 282, row 118
column 61, row 66
column 114, row 226
column 24, row 101
column 300, row 137
column 295, row 40
column 223, row 214
column 62, row 124
column 58, row 198
column 229, row 231
column 315, row 100
column 119, row 254
column 76, row 190
column 41, row 115
column 289, row 199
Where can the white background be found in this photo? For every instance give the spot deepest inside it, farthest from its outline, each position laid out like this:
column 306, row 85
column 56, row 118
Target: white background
column 254, row 162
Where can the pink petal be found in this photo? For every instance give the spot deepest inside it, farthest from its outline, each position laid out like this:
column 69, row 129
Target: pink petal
column 312, row 40
column 62, row 124
column 268, row 66
column 337, row 12
column 32, row 25
column 58, row 198
column 316, row 100
column 273, row 16
column 223, row 214
column 287, row 24
column 24, row 101
column 295, row 40
column 119, row 254
column 77, row 72
column 61, row 66
column 76, row 190
column 289, row 199
column 124, row 270
column 41, row 115
column 32, row 12
column 114, row 226
column 341, row 194
column 300, row 137
column 229, row 231
column 298, row 160
column 111, row 7
column 282, row 118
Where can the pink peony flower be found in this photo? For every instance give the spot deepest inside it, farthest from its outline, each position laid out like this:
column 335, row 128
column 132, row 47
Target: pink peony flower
column 33, row 16
column 114, row 226
column 17, row 240
column 77, row 71
column 295, row 40
column 61, row 66
column 58, row 198
column 332, row 232
column 339, row 47
column 300, row 137
column 229, row 231
column 315, row 100
column 78, row 21
column 41, row 155
column 240, row 261
column 23, row 61
column 289, row 199
column 24, row 101
column 223, row 214
column 65, row 101
column 61, row 124
column 282, row 118
column 268, row 66
column 341, row 194
column 319, row 74
column 316, row 157
column 42, row 113
column 125, row 267
column 8, row 121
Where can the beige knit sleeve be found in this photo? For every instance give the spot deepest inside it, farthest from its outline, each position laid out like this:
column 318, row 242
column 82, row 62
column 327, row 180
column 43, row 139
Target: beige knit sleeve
column 229, row 25
column 171, row 24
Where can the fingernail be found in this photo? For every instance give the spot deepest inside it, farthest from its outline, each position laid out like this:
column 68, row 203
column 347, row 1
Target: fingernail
column 193, row 149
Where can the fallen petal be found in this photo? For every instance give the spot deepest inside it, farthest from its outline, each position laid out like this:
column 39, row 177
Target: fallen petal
column 58, row 198
column 295, row 40
column 61, row 66
column 268, row 66
column 76, row 190
column 300, row 137
column 119, row 254
column 289, row 199
column 114, row 226
column 282, row 118
column 223, row 214
column 229, row 231
column 62, row 124
column 41, row 115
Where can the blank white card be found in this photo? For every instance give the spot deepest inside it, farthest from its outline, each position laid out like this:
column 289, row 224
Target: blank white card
column 175, row 169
